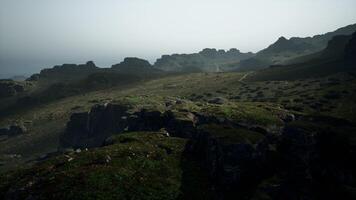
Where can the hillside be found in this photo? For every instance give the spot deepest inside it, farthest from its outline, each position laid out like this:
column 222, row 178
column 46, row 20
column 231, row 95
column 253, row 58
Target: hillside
column 335, row 58
column 214, row 108
column 136, row 131
column 287, row 50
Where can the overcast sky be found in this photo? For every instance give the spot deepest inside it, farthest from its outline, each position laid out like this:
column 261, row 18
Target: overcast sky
column 35, row 34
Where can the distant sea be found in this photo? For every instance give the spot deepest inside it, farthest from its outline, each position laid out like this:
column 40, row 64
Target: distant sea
column 14, row 76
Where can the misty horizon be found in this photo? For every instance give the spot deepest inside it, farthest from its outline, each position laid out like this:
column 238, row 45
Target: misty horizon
column 41, row 34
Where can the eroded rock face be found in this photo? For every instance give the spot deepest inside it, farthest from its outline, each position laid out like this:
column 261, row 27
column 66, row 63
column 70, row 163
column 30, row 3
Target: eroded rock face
column 145, row 120
column 307, row 156
column 181, row 124
column 90, row 129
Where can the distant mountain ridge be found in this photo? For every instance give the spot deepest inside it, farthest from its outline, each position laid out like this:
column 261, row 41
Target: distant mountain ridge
column 207, row 60
column 66, row 72
column 338, row 56
column 284, row 50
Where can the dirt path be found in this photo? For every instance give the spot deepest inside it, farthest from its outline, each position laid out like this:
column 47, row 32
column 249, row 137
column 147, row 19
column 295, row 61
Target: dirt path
column 244, row 76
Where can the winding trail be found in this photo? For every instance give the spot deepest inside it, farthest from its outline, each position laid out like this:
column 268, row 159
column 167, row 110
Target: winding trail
column 244, row 76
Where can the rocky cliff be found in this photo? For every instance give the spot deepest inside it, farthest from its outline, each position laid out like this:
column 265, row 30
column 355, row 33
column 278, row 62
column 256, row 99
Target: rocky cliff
column 242, row 161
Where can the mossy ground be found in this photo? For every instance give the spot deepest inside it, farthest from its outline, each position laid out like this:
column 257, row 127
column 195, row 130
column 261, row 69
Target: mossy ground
column 137, row 166
column 258, row 103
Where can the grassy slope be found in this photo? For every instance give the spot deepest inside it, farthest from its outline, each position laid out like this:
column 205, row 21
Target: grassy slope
column 254, row 102
column 136, row 166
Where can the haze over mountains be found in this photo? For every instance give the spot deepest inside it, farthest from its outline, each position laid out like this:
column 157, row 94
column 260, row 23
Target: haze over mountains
column 219, row 125
column 282, row 52
column 178, row 100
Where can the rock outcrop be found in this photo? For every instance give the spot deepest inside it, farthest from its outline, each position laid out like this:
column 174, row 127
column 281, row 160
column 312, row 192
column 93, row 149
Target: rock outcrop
column 309, row 155
column 66, row 72
column 132, row 62
column 9, row 88
column 136, row 66
column 91, row 129
column 181, row 124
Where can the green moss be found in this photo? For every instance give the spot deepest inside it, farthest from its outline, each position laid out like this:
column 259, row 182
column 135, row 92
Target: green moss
column 136, row 166
column 249, row 113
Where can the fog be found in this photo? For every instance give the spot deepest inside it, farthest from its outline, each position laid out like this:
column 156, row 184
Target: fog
column 42, row 33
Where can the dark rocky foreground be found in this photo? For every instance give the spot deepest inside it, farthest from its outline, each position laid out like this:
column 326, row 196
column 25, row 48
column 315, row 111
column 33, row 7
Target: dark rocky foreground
column 309, row 157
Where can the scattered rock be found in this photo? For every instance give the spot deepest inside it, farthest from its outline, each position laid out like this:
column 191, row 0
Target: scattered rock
column 217, row 100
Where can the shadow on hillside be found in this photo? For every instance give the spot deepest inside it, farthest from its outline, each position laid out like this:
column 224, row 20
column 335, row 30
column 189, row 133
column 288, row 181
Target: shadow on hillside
column 60, row 90
column 195, row 181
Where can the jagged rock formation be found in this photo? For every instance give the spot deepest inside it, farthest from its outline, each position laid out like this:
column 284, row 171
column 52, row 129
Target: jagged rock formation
column 66, row 72
column 131, row 62
column 209, row 60
column 337, row 57
column 136, row 66
column 68, row 68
